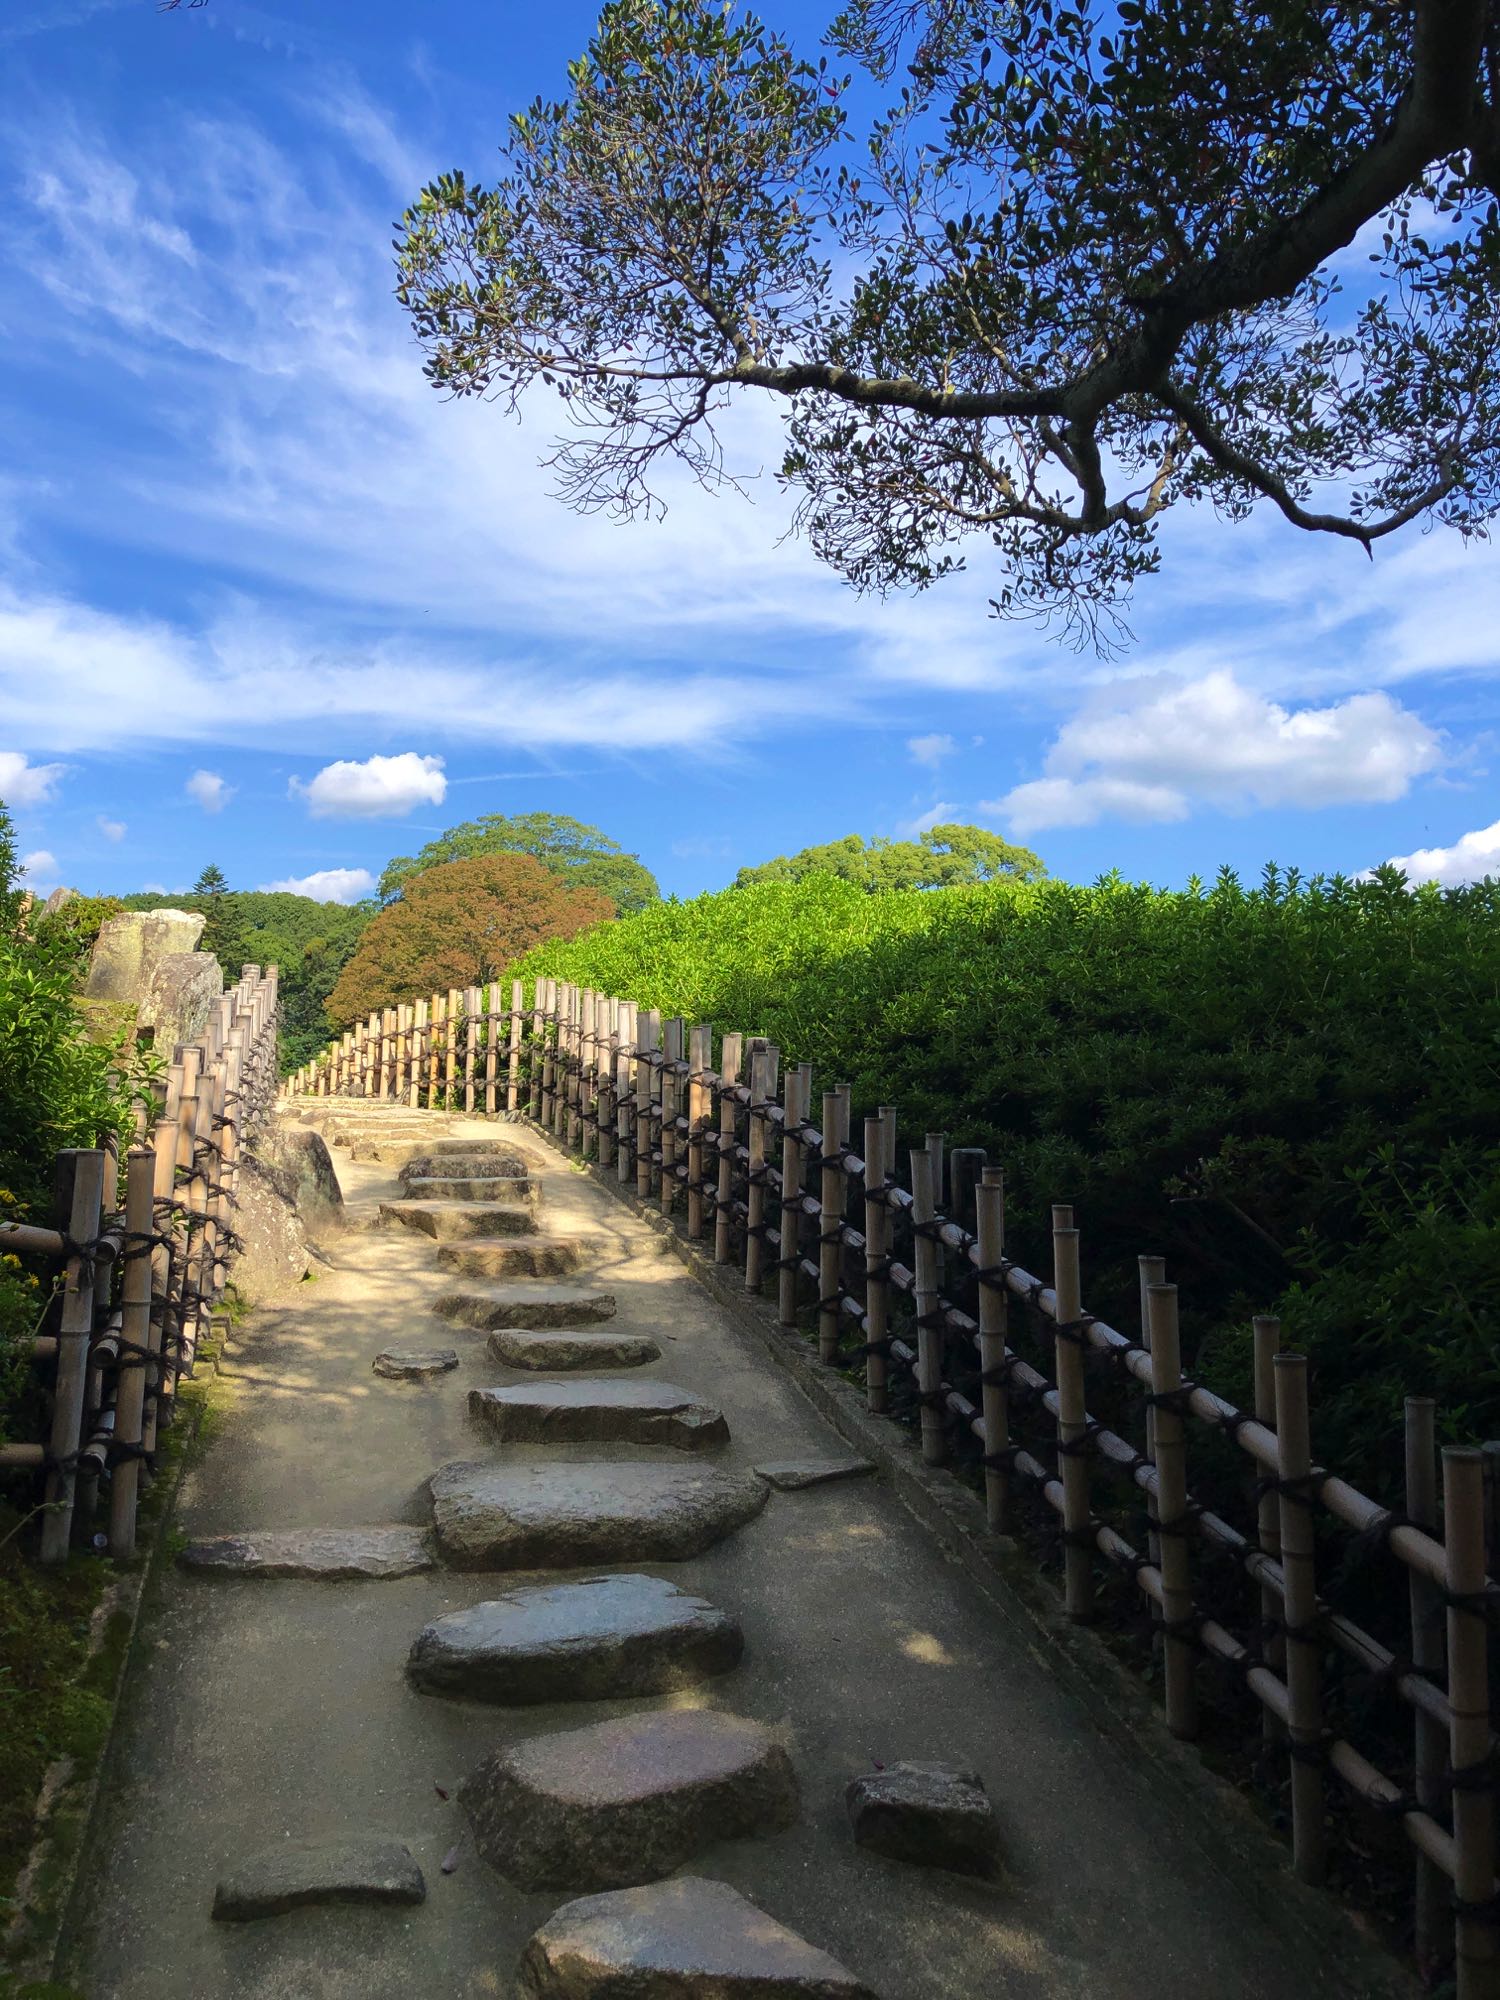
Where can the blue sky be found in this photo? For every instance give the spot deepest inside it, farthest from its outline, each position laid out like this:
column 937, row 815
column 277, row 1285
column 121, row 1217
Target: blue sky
column 267, row 600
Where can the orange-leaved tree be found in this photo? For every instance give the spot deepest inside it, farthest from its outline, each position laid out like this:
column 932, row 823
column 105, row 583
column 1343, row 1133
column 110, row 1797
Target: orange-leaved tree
column 459, row 925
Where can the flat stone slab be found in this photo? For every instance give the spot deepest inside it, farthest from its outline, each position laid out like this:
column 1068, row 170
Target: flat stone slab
column 525, row 1305
column 687, row 1939
column 513, row 1257
column 587, row 1641
column 626, row 1801
column 467, row 1187
column 534, row 1347
column 583, row 1410
column 333, row 1554
column 934, row 1815
column 327, row 1871
column 570, row 1516
column 411, row 1364
column 788, row 1474
column 452, row 1221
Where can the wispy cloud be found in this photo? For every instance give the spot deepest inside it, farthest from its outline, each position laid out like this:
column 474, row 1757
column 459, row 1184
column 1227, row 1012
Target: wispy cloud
column 23, row 783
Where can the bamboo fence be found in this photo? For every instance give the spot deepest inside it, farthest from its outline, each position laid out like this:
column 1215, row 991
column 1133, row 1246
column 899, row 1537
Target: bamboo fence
column 143, row 1252
column 913, row 1287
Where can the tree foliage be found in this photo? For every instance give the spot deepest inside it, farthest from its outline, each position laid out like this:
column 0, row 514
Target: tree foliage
column 460, row 924
column 944, row 857
column 1087, row 262
column 582, row 855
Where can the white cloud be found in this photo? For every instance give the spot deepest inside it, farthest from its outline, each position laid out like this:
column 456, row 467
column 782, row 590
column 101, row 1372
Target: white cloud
column 930, row 750
column 378, row 788
column 327, row 885
column 23, row 783
column 38, row 868
column 908, row 829
column 1152, row 749
column 1471, row 857
column 210, row 790
column 112, row 829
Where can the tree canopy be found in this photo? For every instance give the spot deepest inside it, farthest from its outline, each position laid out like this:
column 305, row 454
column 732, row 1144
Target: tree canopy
column 461, row 924
column 582, row 855
column 1087, row 262
column 944, row 857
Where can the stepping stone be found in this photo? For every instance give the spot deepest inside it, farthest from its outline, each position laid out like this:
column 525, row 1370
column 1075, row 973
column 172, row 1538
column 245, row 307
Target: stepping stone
column 467, row 1187
column 626, row 1801
column 589, row 1641
column 318, row 1871
column 607, row 1411
column 535, row 1305
column 570, row 1516
column 411, row 1364
column 932, row 1814
column 687, row 1939
column 404, row 1148
column 513, row 1257
column 451, row 1221
column 788, row 1474
column 530, row 1347
column 492, row 1166
column 333, row 1554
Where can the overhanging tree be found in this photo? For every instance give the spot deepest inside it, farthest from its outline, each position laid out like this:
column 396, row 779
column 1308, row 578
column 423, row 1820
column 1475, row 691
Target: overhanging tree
column 1089, row 263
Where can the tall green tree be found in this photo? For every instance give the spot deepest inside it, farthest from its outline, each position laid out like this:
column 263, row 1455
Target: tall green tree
column 1087, row 262
column 224, row 930
column 944, row 857
column 582, row 855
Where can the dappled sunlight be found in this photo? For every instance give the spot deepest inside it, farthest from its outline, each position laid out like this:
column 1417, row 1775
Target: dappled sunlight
column 928, row 1649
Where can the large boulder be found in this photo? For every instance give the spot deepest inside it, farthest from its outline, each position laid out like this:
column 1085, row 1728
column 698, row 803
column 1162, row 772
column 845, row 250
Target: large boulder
column 129, row 948
column 299, row 1163
column 185, row 989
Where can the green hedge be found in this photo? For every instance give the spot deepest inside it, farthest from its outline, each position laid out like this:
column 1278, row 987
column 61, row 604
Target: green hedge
column 1292, row 1092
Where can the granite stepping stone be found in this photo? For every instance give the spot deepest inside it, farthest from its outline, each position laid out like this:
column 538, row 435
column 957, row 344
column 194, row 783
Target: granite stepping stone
column 332, row 1554
column 586, row 1641
column 935, row 1815
column 789, row 1474
column 573, row 1515
column 582, row 1410
column 626, row 1801
column 327, row 1871
column 513, row 1257
column 687, row 1939
column 525, row 1305
column 414, row 1364
column 538, row 1348
column 467, row 1187
column 452, row 1221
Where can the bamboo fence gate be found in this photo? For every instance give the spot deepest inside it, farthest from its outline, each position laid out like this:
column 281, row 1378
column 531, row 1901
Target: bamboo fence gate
column 896, row 1285
column 143, row 1252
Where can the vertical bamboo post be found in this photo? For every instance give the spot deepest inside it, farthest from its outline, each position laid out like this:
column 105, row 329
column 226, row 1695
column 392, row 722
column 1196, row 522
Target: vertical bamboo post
column 1300, row 1616
column 796, row 1098
column 513, row 1053
column 700, row 1055
column 731, row 1059
column 163, row 1258
column 549, row 1055
column 1490, row 1451
column 418, row 1019
column 831, row 1203
column 925, row 1296
column 1430, row 1749
column 877, row 1263
column 73, row 1333
column 994, row 1313
column 1475, row 1943
column 1151, row 1271
column 135, row 1343
column 1072, row 1416
column 589, row 1110
column 435, row 1025
column 572, row 1119
column 762, row 1088
column 647, row 1043
column 1181, row 1686
column 625, row 1095
column 671, row 1083
column 473, row 1006
column 1266, row 1334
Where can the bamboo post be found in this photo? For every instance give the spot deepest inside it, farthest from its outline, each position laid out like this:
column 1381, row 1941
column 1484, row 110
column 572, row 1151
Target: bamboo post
column 135, row 1343
column 671, row 1083
column 966, row 1165
column 1469, row 1748
column 647, row 1042
column 1490, row 1450
column 513, row 1054
column 588, row 1081
column 1430, row 1749
column 570, row 1120
column 1266, row 1333
column 877, row 1263
column 1152, row 1271
column 608, row 1020
column 163, row 1258
column 700, row 1055
column 762, row 1088
column 625, row 1095
column 925, row 1171
column 534, row 1056
column 1181, row 1687
column 796, row 1098
column 731, row 1060
column 414, row 1079
column 1300, row 1616
column 74, row 1329
column 1072, row 1417
column 994, row 1311
column 831, row 1202
column 549, row 1055
column 473, row 1003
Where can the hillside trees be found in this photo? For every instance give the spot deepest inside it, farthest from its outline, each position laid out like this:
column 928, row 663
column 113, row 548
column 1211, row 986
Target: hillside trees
column 582, row 855
column 460, row 924
column 1085, row 264
column 944, row 857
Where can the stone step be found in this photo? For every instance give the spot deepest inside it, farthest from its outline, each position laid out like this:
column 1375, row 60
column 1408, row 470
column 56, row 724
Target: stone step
column 571, row 1516
column 298, row 1872
column 452, row 1221
column 442, row 1162
column 468, row 1187
column 604, row 1411
column 414, row 1364
column 687, row 1939
column 401, row 1151
column 626, row 1801
column 532, row 1256
column 788, row 1475
column 331, row 1554
column 523, row 1304
column 538, row 1348
column 590, row 1641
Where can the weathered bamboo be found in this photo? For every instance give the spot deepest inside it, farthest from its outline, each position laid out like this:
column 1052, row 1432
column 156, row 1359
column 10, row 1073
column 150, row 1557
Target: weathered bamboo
column 1173, row 1521
column 1072, row 1417
column 534, row 1055
column 877, row 1264
column 1429, row 1926
column 762, row 1091
column 1266, row 1334
column 1469, row 1746
column 134, row 1352
column 671, row 1086
column 989, row 1222
column 625, row 1094
column 473, row 1003
column 74, row 1327
column 549, row 1054
column 1300, row 1618
column 647, row 1083
column 513, row 1053
column 700, row 1057
column 731, row 1059
column 796, row 1098
column 832, row 1194
column 925, row 1170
